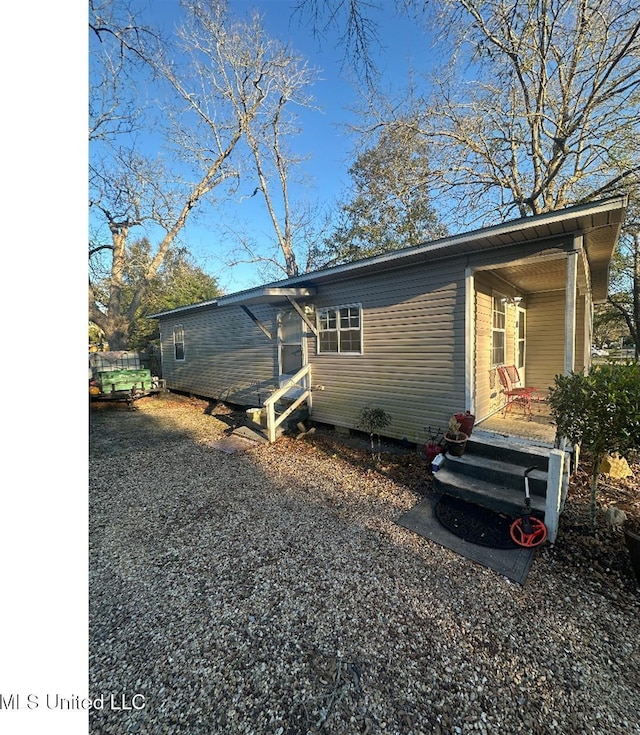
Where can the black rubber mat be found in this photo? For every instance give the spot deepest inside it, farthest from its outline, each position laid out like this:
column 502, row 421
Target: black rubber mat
column 475, row 524
column 512, row 563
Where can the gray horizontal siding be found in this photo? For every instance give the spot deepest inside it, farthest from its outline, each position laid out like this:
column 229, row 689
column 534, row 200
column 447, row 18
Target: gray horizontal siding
column 227, row 357
column 412, row 364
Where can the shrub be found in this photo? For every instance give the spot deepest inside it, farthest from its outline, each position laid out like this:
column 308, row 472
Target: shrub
column 600, row 412
column 373, row 420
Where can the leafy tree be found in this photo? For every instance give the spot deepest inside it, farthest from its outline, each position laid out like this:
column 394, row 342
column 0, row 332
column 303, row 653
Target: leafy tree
column 600, row 412
column 608, row 325
column 221, row 82
column 390, row 207
column 178, row 282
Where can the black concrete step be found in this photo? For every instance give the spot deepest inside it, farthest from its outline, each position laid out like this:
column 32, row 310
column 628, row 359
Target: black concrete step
column 493, row 446
column 486, row 494
column 498, row 472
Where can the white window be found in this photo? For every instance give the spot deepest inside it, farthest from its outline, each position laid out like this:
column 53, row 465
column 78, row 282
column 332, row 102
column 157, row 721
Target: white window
column 340, row 329
column 498, row 330
column 178, row 342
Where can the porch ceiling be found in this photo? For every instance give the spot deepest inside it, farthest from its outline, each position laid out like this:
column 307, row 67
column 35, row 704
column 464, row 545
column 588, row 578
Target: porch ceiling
column 533, row 276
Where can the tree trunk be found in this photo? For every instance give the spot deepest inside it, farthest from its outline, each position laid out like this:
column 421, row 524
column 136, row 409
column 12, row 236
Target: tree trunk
column 594, row 489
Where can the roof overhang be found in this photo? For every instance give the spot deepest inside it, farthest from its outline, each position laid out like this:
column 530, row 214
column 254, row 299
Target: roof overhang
column 266, row 295
column 599, row 223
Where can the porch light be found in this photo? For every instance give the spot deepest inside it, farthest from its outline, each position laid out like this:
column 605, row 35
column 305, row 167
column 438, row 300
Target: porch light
column 511, row 299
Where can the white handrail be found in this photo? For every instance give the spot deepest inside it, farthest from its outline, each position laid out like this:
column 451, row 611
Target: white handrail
column 269, row 404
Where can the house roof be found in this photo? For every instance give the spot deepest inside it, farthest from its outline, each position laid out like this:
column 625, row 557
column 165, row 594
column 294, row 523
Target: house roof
column 598, row 222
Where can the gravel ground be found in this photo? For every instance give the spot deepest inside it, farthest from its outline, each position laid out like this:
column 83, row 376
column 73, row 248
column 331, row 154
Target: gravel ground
column 271, row 591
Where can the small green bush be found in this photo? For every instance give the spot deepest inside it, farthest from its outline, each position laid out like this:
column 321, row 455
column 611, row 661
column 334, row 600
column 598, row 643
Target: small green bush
column 600, row 412
column 373, row 420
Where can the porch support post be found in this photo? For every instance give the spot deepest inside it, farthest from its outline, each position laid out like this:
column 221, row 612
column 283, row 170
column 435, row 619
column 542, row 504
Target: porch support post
column 469, row 341
column 554, row 493
column 588, row 311
column 570, row 309
column 588, row 330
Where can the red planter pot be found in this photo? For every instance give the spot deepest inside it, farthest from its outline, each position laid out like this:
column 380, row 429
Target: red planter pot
column 466, row 421
column 432, row 450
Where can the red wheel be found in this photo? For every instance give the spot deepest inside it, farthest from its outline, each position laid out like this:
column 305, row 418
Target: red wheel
column 537, row 536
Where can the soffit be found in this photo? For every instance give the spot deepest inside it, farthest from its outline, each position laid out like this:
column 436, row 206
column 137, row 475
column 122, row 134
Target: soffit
column 534, row 276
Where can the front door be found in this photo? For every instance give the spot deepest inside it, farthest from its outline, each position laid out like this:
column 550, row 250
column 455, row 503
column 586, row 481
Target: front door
column 291, row 347
column 521, row 342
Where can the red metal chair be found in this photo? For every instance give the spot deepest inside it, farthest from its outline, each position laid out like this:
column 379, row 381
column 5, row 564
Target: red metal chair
column 514, row 377
column 536, row 394
column 522, row 396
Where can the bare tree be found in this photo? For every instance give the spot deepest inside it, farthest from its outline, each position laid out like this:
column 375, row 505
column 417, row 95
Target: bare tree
column 116, row 36
column 356, row 25
column 307, row 225
column 217, row 84
column 540, row 105
column 266, row 136
column 537, row 107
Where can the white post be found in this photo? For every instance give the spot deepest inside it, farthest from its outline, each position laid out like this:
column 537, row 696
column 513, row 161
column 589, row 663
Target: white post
column 271, row 422
column 554, row 493
column 570, row 312
column 469, row 340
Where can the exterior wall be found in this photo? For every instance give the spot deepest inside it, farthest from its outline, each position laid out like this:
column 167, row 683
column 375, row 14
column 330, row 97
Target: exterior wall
column 227, row 357
column 412, row 364
column 488, row 387
column 545, row 338
column 413, row 336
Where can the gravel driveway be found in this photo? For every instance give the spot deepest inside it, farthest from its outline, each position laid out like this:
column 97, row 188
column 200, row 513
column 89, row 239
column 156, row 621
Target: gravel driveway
column 271, row 591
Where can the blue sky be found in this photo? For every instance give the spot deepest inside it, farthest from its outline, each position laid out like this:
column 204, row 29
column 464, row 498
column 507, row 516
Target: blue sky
column 325, row 138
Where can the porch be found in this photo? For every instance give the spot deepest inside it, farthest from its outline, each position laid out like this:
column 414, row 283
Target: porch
column 534, row 314
column 540, row 429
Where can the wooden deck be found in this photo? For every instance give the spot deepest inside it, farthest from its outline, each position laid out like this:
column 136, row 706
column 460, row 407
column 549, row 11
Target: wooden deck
column 539, row 428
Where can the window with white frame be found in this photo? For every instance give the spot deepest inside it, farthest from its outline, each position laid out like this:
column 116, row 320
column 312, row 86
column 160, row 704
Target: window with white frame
column 178, row 342
column 498, row 329
column 340, row 329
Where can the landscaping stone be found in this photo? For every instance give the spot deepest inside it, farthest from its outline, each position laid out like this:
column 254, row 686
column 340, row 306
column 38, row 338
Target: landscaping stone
column 273, row 591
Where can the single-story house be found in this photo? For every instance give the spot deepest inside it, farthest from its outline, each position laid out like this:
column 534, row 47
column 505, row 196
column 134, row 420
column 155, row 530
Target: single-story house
column 417, row 332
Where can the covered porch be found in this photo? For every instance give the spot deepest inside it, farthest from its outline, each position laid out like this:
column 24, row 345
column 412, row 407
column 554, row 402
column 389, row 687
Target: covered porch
column 529, row 303
column 533, row 316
